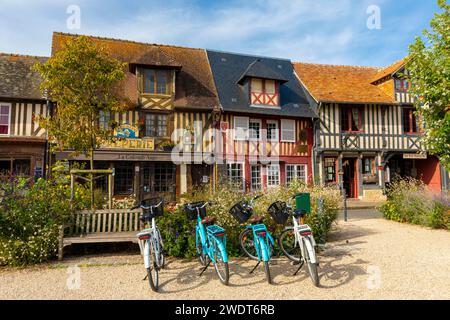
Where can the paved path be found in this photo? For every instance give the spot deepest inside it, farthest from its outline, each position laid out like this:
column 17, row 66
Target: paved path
column 366, row 258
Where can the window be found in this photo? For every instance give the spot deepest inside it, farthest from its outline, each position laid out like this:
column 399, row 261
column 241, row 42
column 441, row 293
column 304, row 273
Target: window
column 351, row 119
column 401, row 85
column 104, row 119
column 123, row 178
column 5, row 111
column 21, row 167
column 295, row 172
column 164, row 177
column 369, row 170
column 330, row 170
column 155, row 125
column 409, row 121
column 255, row 129
column 288, row 130
column 264, row 92
column 156, row 81
column 256, row 177
column 272, row 130
column 273, row 175
column 235, row 174
column 241, row 125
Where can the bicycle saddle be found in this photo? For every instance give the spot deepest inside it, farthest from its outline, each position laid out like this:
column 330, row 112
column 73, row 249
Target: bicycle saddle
column 208, row 220
column 256, row 219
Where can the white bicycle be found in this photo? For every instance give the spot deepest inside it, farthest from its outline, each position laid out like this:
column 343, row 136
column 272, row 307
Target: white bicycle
column 151, row 244
column 296, row 241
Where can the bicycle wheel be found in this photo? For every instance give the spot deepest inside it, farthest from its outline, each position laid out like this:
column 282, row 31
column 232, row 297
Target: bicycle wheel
column 267, row 272
column 287, row 244
column 221, row 266
column 248, row 244
column 161, row 261
column 312, row 267
column 152, row 270
column 201, row 256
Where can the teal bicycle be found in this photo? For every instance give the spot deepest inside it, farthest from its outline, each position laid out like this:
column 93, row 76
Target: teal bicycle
column 255, row 240
column 210, row 240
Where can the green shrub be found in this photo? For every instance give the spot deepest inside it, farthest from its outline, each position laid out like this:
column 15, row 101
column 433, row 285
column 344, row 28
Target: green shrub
column 411, row 201
column 179, row 233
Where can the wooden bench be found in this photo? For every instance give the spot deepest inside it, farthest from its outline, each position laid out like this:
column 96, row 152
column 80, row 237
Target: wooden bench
column 101, row 226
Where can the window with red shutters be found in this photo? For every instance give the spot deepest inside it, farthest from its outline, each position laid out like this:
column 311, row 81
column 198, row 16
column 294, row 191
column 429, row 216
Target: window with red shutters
column 351, row 119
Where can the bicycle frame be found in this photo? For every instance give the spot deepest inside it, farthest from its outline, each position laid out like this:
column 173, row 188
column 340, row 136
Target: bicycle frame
column 301, row 232
column 262, row 237
column 210, row 243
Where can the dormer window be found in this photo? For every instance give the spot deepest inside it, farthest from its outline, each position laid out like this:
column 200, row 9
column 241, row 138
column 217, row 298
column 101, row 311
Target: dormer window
column 264, row 92
column 156, row 81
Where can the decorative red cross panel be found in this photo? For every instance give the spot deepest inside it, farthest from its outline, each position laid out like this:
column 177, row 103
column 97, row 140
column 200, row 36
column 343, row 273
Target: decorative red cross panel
column 265, row 98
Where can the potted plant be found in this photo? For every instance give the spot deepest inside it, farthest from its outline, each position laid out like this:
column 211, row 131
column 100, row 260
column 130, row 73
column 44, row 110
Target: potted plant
column 167, row 145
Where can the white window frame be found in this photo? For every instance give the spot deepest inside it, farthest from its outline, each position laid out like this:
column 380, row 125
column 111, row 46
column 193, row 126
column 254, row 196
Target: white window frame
column 296, row 171
column 243, row 172
column 279, row 175
column 9, row 105
column 284, row 122
column 277, row 131
column 260, row 177
column 236, row 136
column 250, row 130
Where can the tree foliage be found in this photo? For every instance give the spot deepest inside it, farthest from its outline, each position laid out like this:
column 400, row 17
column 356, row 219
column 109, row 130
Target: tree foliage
column 429, row 67
column 81, row 79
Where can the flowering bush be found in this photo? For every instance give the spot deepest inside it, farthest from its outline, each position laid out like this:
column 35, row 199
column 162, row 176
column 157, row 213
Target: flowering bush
column 179, row 233
column 30, row 214
column 411, row 201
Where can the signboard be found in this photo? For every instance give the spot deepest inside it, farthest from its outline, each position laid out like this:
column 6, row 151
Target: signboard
column 126, row 131
column 146, row 144
column 224, row 126
column 415, row 156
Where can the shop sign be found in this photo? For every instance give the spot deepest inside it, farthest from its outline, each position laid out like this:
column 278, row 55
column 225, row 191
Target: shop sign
column 126, row 131
column 414, row 156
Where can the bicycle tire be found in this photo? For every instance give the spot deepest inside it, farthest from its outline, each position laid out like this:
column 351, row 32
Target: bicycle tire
column 312, row 267
column 202, row 257
column 152, row 271
column 246, row 239
column 267, row 272
column 288, row 247
column 224, row 275
column 161, row 261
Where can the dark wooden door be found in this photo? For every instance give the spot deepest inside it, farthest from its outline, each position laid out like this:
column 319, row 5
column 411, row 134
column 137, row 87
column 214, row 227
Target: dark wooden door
column 350, row 177
column 199, row 172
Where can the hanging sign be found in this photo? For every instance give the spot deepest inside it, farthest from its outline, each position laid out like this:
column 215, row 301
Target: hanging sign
column 415, row 156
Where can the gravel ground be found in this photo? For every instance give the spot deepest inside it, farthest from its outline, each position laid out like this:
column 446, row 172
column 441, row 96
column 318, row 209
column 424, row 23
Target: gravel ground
column 366, row 258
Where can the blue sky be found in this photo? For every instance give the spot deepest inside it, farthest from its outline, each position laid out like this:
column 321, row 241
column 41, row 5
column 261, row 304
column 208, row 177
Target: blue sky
column 321, row 31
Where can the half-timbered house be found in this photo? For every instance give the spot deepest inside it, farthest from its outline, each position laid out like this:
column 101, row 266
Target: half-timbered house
column 266, row 121
column 367, row 133
column 172, row 98
column 22, row 141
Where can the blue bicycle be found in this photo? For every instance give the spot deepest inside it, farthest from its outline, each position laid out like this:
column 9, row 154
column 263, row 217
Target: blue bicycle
column 255, row 240
column 210, row 240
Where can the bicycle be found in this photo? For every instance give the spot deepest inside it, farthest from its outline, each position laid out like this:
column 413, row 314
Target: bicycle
column 210, row 241
column 296, row 241
column 151, row 244
column 255, row 240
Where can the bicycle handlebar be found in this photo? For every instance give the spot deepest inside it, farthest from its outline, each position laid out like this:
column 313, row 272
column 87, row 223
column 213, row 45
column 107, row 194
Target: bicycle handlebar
column 153, row 206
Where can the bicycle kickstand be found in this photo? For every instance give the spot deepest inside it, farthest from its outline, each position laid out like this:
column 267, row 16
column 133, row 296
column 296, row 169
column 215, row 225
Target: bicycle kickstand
column 255, row 267
column 299, row 267
column 146, row 277
column 204, row 269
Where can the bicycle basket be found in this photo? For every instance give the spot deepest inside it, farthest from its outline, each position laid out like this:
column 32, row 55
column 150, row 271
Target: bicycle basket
column 279, row 212
column 240, row 213
column 191, row 210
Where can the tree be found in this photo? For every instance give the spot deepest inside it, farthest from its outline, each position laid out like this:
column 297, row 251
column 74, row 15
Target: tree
column 429, row 73
column 81, row 79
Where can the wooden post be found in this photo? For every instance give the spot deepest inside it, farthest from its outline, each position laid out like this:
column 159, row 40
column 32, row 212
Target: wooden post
column 60, row 242
column 72, row 186
column 110, row 192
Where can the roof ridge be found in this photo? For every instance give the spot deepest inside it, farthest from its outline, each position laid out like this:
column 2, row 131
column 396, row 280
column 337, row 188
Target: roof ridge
column 394, row 63
column 337, row 65
column 5, row 54
column 123, row 40
column 256, row 56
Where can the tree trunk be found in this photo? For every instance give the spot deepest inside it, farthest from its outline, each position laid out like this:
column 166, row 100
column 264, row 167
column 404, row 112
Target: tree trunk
column 92, row 179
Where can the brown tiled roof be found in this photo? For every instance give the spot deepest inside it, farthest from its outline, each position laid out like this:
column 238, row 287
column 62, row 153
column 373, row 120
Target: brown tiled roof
column 389, row 70
column 345, row 84
column 17, row 79
column 194, row 85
